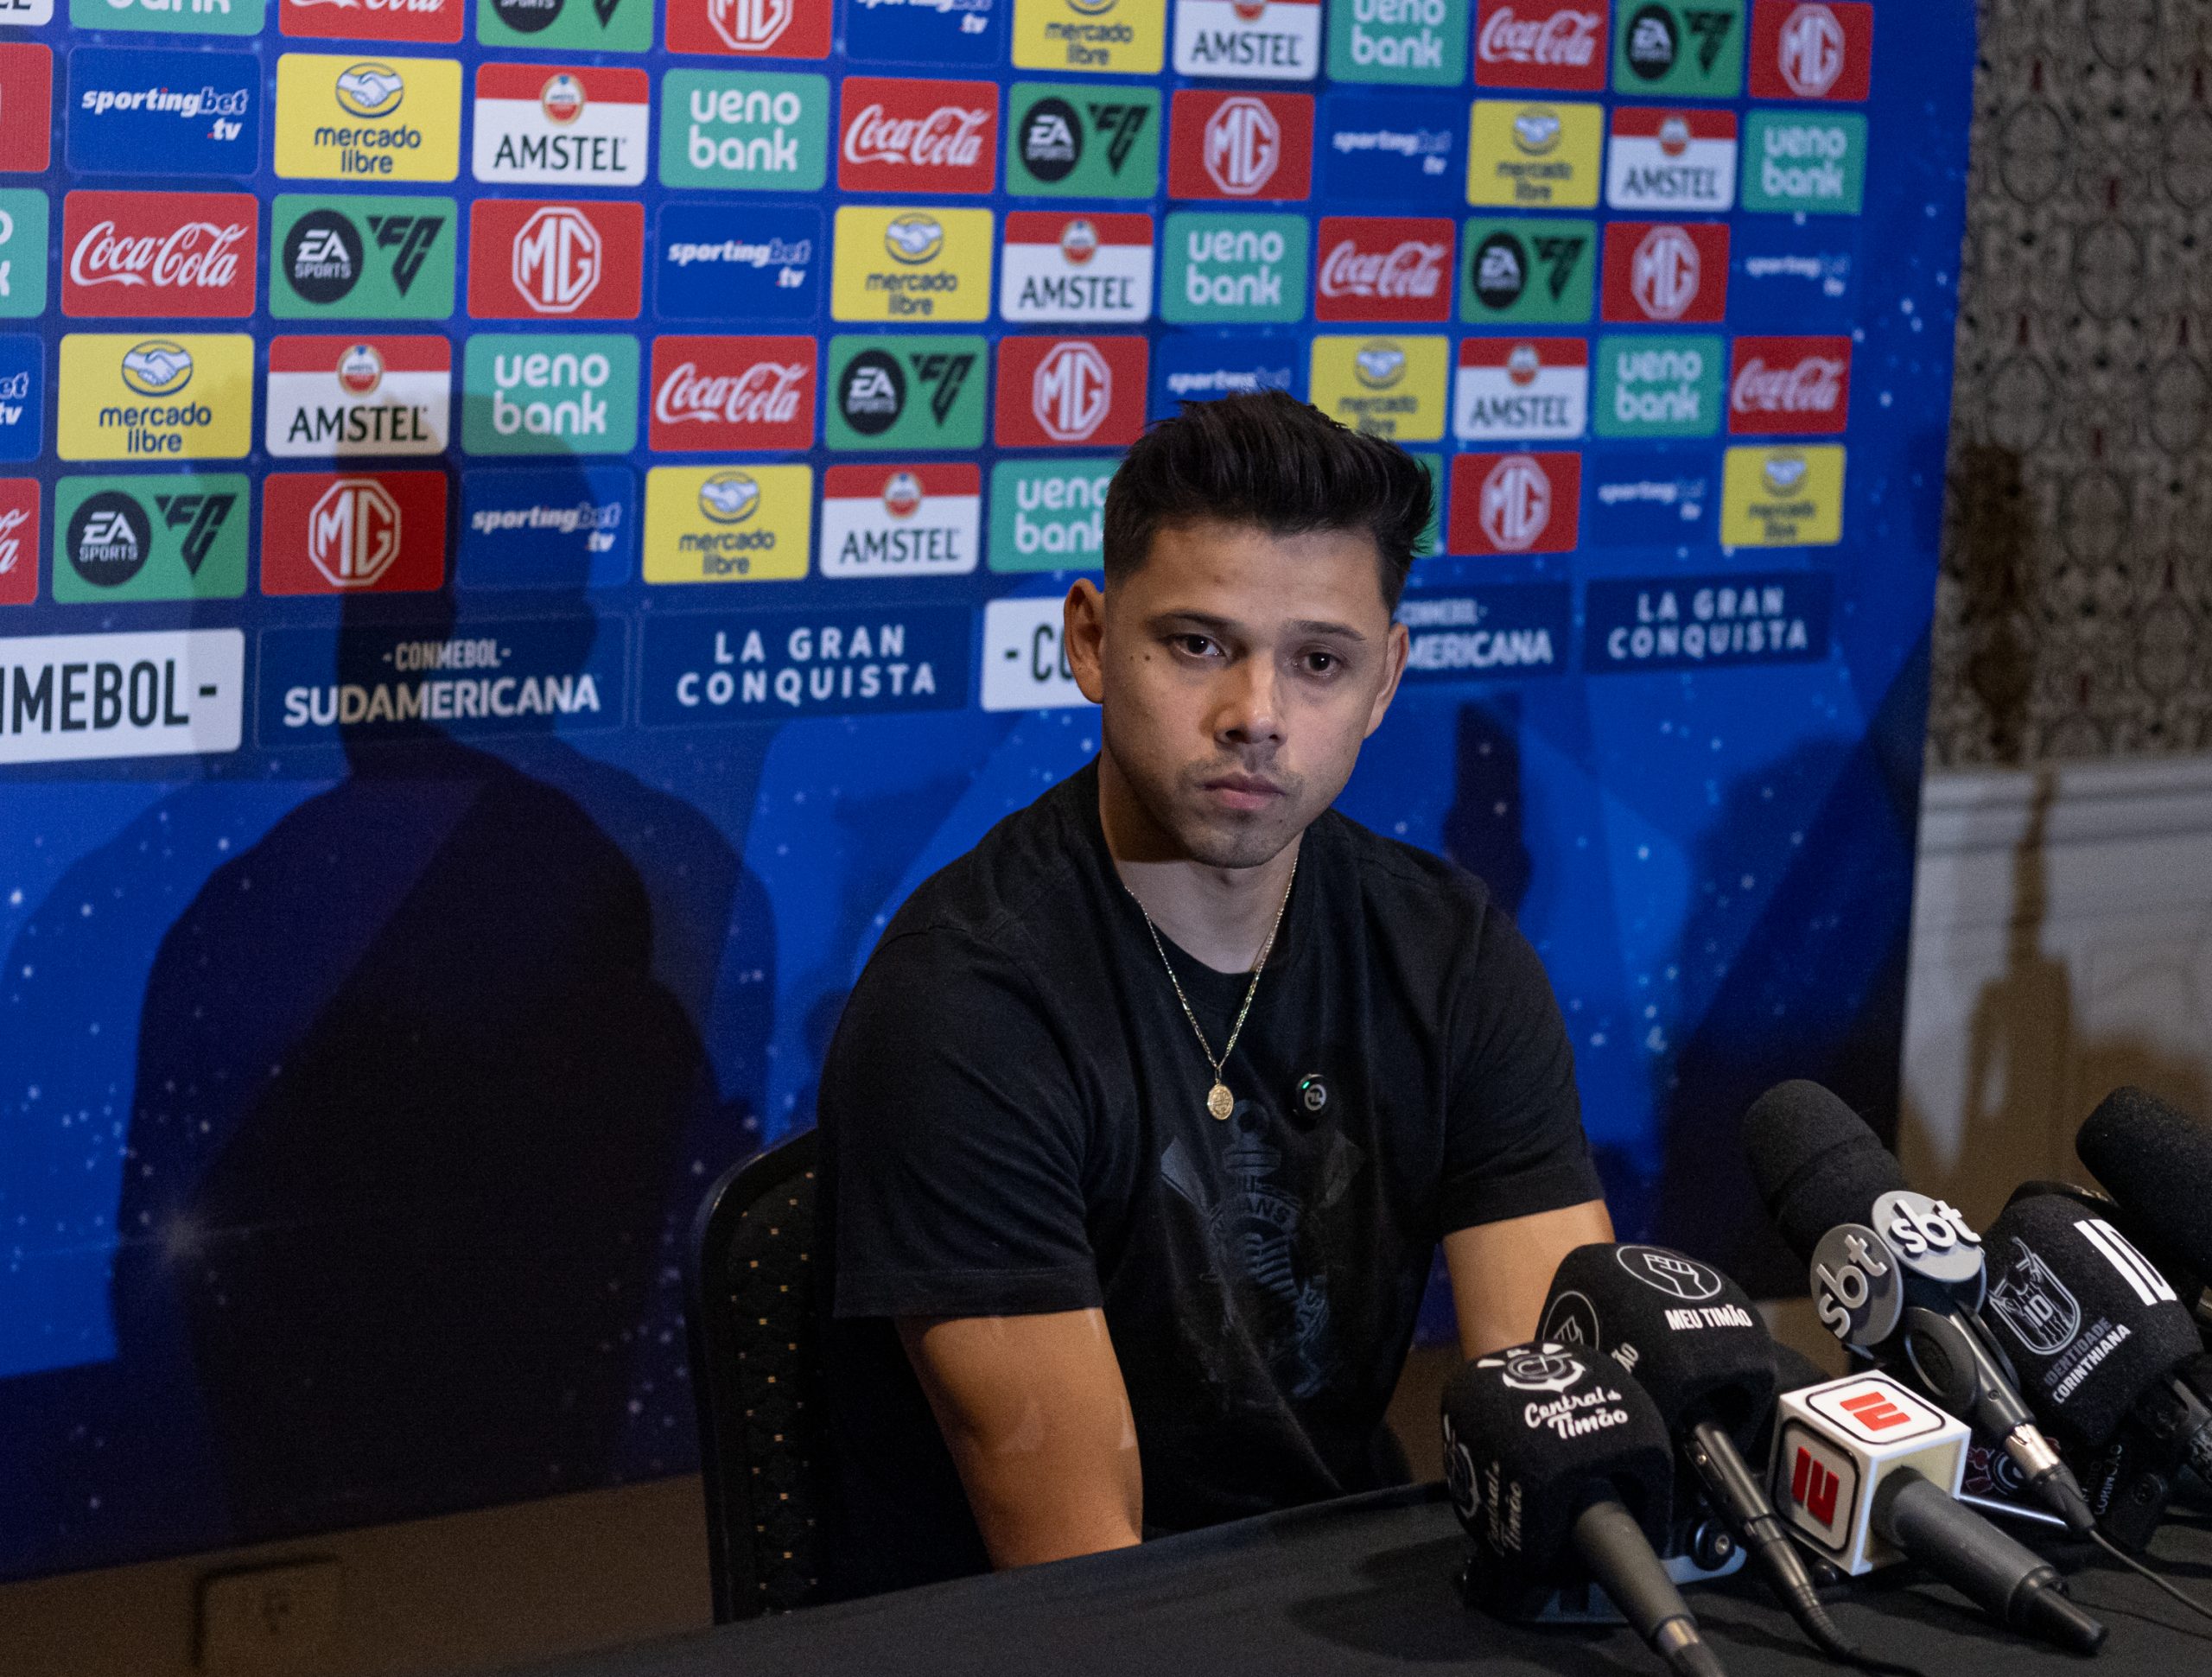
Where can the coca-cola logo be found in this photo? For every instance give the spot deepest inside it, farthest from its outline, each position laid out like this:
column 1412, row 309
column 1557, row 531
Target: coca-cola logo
column 766, row 393
column 950, row 136
column 201, row 255
column 1813, row 385
column 1567, row 40
column 1411, row 268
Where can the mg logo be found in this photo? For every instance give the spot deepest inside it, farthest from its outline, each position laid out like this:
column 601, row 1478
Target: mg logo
column 557, row 258
column 1663, row 274
column 1516, row 503
column 1071, row 390
column 1243, row 143
column 1811, row 50
column 749, row 26
column 354, row 533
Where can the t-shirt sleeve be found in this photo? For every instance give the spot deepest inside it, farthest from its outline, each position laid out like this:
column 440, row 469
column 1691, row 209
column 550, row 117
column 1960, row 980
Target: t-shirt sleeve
column 1515, row 1144
column 958, row 1137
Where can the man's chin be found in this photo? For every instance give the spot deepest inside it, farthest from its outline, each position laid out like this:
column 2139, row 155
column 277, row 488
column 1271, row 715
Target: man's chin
column 1232, row 842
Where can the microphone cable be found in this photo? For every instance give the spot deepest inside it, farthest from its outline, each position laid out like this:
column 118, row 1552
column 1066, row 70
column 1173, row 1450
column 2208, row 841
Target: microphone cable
column 2127, row 1560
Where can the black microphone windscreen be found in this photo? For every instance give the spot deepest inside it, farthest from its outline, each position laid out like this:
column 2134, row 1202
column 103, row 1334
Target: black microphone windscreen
column 1532, row 1436
column 1793, row 1371
column 2087, row 1320
column 2156, row 1162
column 1686, row 1332
column 1815, row 1162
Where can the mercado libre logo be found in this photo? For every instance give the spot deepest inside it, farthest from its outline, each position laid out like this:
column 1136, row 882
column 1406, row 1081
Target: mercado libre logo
column 1386, row 385
column 1789, row 496
column 345, row 118
column 1540, row 156
column 1070, row 139
column 124, row 396
column 739, row 129
column 728, row 523
column 361, row 258
column 917, row 264
column 607, row 26
column 1111, row 37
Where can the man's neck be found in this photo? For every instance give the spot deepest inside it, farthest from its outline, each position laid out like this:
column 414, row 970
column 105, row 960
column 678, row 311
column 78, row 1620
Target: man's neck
column 1220, row 915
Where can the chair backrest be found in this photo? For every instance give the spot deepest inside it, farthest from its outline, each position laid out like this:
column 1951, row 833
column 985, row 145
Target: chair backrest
column 749, row 1309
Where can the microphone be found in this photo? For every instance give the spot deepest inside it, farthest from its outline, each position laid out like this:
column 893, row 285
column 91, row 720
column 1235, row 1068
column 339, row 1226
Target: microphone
column 2094, row 1329
column 1894, row 1275
column 1704, row 1358
column 1560, row 1469
column 1867, row 1473
column 2154, row 1159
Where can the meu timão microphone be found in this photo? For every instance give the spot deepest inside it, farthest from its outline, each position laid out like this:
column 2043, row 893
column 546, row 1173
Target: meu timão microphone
column 1866, row 1473
column 1559, row 1469
column 1895, row 1276
column 2155, row 1161
column 1694, row 1344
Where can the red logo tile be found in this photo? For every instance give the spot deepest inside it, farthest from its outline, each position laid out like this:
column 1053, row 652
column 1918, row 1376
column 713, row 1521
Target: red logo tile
column 1540, row 43
column 26, row 107
column 181, row 255
column 429, row 21
column 930, row 136
column 1811, row 49
column 19, row 543
column 750, row 28
column 1242, row 146
column 1665, row 272
column 530, row 259
column 1058, row 392
column 1790, row 386
column 1515, row 502
column 353, row 532
column 732, row 393
column 1382, row 268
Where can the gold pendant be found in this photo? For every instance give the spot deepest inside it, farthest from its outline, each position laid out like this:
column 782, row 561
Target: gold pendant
column 1219, row 1100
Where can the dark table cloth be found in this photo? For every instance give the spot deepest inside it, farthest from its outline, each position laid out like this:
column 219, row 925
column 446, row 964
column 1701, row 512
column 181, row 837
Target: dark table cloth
column 1366, row 1586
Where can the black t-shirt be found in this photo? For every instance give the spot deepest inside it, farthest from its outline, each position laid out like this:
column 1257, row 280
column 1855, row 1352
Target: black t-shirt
column 1014, row 1119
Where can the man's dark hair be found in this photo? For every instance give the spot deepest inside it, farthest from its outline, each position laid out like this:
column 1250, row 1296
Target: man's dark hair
column 1268, row 460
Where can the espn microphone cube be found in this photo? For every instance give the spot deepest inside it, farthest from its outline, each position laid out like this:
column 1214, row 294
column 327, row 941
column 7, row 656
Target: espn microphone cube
column 1833, row 1444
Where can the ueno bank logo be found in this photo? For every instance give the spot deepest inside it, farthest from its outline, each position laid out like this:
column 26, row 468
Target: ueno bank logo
column 136, row 253
column 530, row 259
column 1540, row 43
column 918, row 136
column 1384, row 268
column 1241, row 145
column 712, row 393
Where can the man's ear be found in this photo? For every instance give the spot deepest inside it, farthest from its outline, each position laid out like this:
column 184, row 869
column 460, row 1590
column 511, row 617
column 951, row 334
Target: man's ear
column 1083, row 636
column 1395, row 652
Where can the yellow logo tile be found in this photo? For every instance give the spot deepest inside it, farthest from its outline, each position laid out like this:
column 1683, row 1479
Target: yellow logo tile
column 1386, row 386
column 156, row 396
column 362, row 117
column 728, row 523
column 1533, row 154
column 1790, row 496
column 1116, row 37
column 921, row 263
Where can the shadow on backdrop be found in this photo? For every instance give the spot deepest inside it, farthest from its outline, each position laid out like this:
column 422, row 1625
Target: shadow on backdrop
column 416, row 1081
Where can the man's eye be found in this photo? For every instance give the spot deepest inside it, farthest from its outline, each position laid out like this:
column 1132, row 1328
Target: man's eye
column 1197, row 645
column 1321, row 663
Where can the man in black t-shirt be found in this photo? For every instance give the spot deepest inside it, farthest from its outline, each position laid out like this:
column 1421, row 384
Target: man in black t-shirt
column 1145, row 1120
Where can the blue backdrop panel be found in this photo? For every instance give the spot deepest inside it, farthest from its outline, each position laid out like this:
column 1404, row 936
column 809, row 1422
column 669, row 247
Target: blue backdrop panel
column 533, row 527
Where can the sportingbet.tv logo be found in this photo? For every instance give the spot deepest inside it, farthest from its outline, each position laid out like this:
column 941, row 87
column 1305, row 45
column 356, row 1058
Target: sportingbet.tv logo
column 361, row 258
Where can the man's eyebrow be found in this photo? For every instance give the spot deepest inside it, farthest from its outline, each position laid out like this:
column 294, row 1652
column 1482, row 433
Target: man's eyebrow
column 1212, row 625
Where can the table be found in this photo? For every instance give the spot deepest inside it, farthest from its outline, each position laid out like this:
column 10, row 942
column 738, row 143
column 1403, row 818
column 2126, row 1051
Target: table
column 1366, row 1586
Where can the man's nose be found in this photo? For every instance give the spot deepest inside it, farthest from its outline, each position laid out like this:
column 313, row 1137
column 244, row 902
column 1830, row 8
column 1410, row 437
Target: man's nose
column 1251, row 711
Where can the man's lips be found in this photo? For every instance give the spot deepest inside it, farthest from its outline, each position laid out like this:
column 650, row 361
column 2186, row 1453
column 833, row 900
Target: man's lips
column 1243, row 792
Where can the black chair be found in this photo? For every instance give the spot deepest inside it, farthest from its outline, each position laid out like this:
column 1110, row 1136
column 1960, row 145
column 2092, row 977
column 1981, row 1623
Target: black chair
column 749, row 1306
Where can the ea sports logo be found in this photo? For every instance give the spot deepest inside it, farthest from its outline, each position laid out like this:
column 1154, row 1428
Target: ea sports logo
column 1071, row 390
column 157, row 367
column 1523, row 364
column 730, row 497
column 561, row 99
column 109, row 538
column 1078, row 242
column 1243, row 145
column 370, row 89
column 360, row 369
column 913, row 237
column 1663, row 275
column 556, row 259
column 902, row 495
column 1810, row 51
column 354, row 533
column 1051, row 140
column 1517, row 504
column 748, row 26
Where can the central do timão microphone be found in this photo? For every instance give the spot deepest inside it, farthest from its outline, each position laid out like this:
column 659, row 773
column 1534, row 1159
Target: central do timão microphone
column 1867, row 1473
column 1702, row 1353
column 1894, row 1275
column 1559, row 1469
column 2094, row 1329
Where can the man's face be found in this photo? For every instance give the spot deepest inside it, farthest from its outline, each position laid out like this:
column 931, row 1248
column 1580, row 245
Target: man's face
column 1238, row 673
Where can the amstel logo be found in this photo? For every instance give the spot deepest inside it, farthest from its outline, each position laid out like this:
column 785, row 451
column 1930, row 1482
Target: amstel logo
column 159, row 366
column 561, row 98
column 371, row 89
column 730, row 497
column 913, row 237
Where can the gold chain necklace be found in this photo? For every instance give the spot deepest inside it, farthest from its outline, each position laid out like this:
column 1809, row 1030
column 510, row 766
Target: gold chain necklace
column 1219, row 1101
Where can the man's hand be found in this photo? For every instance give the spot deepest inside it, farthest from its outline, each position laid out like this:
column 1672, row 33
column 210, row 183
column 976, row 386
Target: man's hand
column 1035, row 1412
column 1501, row 1271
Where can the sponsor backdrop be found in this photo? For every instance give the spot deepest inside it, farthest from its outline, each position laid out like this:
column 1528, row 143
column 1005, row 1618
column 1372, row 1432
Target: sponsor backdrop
column 528, row 525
